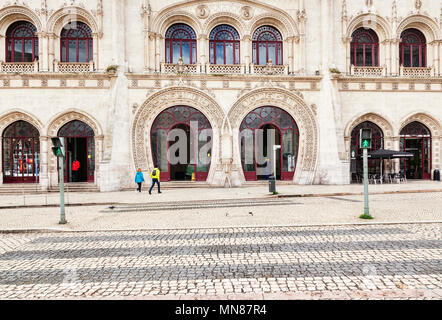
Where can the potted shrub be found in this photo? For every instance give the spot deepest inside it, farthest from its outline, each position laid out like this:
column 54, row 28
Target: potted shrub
column 112, row 69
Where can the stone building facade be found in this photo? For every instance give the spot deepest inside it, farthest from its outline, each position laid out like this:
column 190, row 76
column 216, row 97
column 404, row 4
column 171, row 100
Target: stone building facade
column 102, row 72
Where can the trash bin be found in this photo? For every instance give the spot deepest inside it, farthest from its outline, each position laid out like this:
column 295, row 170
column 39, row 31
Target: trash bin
column 272, row 185
column 436, row 175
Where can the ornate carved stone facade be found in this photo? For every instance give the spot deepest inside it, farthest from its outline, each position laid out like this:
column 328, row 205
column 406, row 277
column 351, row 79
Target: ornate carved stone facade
column 130, row 79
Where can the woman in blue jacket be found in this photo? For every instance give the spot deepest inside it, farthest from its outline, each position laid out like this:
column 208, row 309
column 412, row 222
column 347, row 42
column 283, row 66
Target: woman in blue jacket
column 139, row 179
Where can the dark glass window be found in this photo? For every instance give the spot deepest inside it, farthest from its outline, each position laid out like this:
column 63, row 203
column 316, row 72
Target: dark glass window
column 180, row 42
column 224, row 45
column 267, row 45
column 413, row 49
column 21, row 42
column 365, row 48
column 76, row 43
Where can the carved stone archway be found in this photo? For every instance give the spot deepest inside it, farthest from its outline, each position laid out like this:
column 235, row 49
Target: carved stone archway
column 68, row 14
column 16, row 115
column 301, row 113
column 380, row 121
column 57, row 122
column 14, row 13
column 166, row 98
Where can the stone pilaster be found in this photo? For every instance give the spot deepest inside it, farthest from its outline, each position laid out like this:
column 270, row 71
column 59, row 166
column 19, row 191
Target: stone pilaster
column 44, row 164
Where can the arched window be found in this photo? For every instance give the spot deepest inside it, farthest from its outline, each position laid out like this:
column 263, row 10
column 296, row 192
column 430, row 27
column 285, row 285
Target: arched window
column 413, row 49
column 180, row 42
column 365, row 48
column 21, row 42
column 224, row 45
column 267, row 45
column 76, row 43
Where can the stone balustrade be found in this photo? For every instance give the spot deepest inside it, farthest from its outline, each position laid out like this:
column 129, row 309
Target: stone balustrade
column 180, row 68
column 414, row 72
column 225, row 68
column 19, row 67
column 73, row 67
column 368, row 72
column 269, row 69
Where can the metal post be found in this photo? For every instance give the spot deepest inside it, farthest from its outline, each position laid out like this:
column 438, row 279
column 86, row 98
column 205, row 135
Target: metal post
column 61, row 176
column 275, row 147
column 366, row 208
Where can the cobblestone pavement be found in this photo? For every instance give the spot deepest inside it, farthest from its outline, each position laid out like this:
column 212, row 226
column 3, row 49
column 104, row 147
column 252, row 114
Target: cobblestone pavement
column 401, row 261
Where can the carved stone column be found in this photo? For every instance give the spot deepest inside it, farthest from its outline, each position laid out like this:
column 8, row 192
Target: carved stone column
column 151, row 53
column 2, row 48
column 289, row 44
column 44, row 165
column 435, row 45
column 387, row 55
column 396, row 146
column 202, row 49
column 157, row 52
column 395, row 56
column 347, row 45
column 43, row 54
column 246, row 51
column 95, row 38
column 51, row 53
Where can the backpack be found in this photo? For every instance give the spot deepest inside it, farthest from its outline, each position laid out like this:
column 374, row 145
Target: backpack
column 154, row 173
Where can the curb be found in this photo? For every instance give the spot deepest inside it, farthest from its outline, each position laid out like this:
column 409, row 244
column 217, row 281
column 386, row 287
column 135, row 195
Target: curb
column 305, row 195
column 355, row 193
column 55, row 230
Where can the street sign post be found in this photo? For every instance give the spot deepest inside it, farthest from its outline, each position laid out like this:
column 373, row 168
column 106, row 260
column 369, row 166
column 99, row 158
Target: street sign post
column 365, row 144
column 58, row 148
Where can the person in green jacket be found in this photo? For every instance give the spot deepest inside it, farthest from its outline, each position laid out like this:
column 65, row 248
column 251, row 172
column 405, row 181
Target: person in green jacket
column 155, row 175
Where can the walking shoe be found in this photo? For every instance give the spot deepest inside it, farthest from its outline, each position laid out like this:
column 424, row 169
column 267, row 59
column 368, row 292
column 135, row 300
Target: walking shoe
column 150, row 192
column 159, row 192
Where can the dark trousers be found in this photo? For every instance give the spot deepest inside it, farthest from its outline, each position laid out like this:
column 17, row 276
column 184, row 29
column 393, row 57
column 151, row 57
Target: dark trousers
column 75, row 176
column 139, row 186
column 153, row 184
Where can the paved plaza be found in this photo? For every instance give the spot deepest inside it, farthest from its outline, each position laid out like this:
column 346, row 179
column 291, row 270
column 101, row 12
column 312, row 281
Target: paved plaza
column 236, row 212
column 335, row 262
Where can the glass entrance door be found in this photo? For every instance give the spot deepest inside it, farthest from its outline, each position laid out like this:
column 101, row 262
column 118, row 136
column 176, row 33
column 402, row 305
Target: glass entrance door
column 418, row 167
column 416, row 138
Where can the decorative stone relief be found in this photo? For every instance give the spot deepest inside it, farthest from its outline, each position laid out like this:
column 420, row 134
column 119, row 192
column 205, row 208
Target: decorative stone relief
column 134, row 108
column 247, row 12
column 60, row 121
column 14, row 116
column 202, row 11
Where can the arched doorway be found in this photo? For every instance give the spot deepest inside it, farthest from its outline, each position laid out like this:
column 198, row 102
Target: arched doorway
column 416, row 138
column 260, row 130
column 21, row 153
column 374, row 165
column 80, row 145
column 181, row 144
